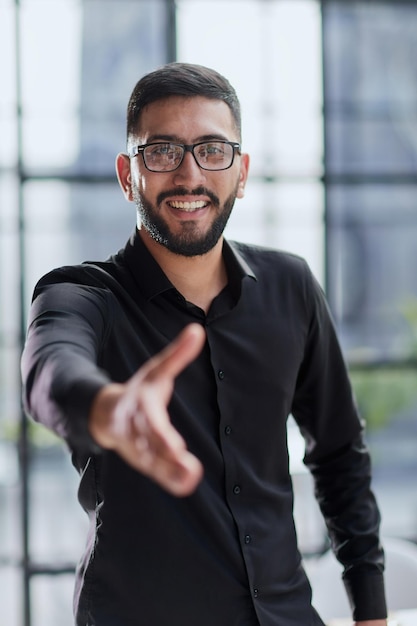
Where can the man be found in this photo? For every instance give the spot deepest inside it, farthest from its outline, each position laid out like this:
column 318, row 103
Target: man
column 171, row 368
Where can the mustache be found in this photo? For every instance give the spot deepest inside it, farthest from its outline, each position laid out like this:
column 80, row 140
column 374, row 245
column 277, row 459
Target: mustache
column 182, row 191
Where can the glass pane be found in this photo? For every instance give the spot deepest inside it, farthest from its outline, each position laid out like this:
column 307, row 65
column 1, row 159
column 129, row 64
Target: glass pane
column 11, row 595
column 69, row 223
column 9, row 259
column 387, row 399
column 370, row 87
column 52, row 600
column 372, row 233
column 54, row 510
column 8, row 132
column 10, row 527
column 10, row 512
column 281, row 100
column 77, row 80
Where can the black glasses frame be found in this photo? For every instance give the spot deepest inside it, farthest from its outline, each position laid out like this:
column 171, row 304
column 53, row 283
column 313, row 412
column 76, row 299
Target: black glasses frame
column 186, row 148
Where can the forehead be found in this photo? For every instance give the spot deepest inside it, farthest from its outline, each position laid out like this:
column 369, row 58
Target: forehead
column 186, row 118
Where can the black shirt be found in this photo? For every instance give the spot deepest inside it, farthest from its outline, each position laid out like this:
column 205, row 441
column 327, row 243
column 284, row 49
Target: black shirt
column 226, row 555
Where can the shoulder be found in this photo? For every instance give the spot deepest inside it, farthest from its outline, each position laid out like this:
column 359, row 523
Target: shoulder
column 257, row 254
column 270, row 262
column 90, row 275
column 284, row 276
column 74, row 292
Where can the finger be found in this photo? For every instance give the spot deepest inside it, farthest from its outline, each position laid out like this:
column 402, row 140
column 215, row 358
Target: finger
column 158, row 433
column 179, row 353
column 180, row 476
column 176, row 470
column 181, row 479
column 163, row 456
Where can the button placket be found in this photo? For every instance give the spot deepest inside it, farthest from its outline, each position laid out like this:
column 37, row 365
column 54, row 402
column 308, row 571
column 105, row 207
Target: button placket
column 236, row 488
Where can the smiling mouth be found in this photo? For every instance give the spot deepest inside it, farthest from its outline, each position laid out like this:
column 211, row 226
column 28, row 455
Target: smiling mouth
column 188, row 206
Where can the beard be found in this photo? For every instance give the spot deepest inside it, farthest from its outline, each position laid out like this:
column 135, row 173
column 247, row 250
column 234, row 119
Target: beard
column 189, row 242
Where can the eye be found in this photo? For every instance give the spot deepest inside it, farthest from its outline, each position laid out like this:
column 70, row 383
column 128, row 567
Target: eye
column 210, row 151
column 162, row 149
column 214, row 149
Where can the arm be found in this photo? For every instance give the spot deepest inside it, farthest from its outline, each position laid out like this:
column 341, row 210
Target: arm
column 66, row 391
column 132, row 418
column 67, row 327
column 343, row 491
column 340, row 463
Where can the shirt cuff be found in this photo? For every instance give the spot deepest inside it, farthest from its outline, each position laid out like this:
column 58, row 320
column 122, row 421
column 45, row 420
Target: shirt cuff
column 366, row 593
column 77, row 411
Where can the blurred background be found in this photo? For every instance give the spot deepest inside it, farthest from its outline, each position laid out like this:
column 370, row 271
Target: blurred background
column 329, row 99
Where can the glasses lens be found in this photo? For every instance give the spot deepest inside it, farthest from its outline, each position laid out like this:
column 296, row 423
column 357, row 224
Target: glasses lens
column 162, row 157
column 214, row 155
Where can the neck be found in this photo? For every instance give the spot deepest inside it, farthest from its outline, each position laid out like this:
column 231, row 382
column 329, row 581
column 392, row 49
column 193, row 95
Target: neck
column 199, row 278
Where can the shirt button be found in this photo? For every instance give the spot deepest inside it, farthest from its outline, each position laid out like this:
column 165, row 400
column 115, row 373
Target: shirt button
column 228, row 430
column 236, row 490
column 255, row 593
column 220, row 374
column 247, row 539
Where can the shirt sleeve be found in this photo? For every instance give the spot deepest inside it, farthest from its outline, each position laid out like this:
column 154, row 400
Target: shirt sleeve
column 59, row 363
column 339, row 460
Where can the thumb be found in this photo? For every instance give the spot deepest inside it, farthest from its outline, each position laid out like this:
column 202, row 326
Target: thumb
column 180, row 352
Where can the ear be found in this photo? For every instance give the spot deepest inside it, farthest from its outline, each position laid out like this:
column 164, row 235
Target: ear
column 243, row 176
column 124, row 176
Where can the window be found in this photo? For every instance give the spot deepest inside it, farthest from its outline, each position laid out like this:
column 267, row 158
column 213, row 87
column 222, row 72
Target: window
column 328, row 93
column 370, row 101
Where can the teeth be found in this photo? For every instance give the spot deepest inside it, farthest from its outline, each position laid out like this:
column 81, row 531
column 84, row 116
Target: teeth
column 188, row 206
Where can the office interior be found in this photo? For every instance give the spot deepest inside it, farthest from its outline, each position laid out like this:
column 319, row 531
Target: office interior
column 329, row 104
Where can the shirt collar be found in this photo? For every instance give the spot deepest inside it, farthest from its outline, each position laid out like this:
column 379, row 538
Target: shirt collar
column 151, row 279
column 145, row 270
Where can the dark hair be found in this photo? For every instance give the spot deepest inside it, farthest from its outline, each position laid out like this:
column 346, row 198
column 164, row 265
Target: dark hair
column 180, row 79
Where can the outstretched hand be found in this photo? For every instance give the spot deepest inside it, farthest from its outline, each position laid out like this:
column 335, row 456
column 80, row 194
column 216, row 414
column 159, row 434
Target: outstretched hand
column 132, row 418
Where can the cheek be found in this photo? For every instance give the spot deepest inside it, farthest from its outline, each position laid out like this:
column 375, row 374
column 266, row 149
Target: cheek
column 151, row 183
column 239, row 188
column 243, row 175
column 139, row 181
column 240, row 192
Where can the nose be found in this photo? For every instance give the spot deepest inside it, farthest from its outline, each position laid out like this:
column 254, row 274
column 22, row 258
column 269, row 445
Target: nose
column 189, row 171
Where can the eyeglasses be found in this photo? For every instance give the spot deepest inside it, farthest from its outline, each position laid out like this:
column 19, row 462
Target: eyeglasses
column 167, row 157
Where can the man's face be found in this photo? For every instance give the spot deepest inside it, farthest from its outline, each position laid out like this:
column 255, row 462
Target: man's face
column 186, row 210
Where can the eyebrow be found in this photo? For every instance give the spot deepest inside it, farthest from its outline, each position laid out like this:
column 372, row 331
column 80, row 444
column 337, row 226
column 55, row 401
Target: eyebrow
column 176, row 139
